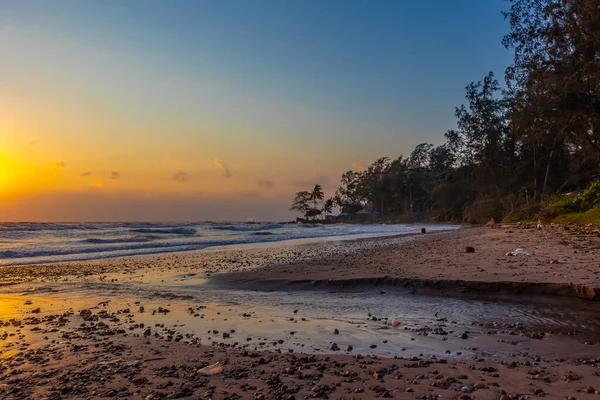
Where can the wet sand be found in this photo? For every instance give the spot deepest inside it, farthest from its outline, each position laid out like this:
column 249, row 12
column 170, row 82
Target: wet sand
column 144, row 327
column 563, row 263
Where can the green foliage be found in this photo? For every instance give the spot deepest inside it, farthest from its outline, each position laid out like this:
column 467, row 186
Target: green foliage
column 529, row 213
column 589, row 217
column 482, row 210
column 590, row 197
column 582, row 208
column 563, row 206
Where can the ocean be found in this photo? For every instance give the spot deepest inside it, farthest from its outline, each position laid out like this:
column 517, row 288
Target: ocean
column 39, row 243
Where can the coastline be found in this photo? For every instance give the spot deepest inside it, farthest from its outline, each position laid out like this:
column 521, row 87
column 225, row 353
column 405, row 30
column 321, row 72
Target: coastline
column 27, row 244
column 79, row 330
column 437, row 263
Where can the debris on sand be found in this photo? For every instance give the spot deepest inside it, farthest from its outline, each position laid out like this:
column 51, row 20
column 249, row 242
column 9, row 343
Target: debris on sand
column 211, row 370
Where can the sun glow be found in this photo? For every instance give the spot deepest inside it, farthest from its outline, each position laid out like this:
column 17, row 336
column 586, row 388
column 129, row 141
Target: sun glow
column 15, row 177
column 6, row 173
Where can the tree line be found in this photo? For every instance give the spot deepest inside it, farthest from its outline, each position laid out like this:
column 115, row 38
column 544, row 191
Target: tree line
column 513, row 145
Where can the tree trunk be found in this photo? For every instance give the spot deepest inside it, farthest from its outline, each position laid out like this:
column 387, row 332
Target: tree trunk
column 547, row 172
column 534, row 173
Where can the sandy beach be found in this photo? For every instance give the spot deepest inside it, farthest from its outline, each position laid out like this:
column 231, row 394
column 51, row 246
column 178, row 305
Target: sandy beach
column 561, row 262
column 403, row 317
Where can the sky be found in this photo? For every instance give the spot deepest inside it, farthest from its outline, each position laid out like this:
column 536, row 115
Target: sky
column 153, row 110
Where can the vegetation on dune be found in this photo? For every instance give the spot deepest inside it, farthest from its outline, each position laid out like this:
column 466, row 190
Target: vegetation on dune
column 580, row 208
column 516, row 150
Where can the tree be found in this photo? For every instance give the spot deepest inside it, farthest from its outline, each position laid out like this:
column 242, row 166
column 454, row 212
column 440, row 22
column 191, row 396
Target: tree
column 328, row 206
column 420, row 156
column 301, row 202
column 483, row 138
column 347, row 196
column 374, row 182
column 555, row 83
column 316, row 195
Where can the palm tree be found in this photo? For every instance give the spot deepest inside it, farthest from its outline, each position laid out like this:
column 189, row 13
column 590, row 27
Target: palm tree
column 316, row 194
column 328, row 206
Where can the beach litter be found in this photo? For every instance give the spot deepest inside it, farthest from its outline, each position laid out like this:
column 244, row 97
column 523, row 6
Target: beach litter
column 519, row 252
column 211, row 370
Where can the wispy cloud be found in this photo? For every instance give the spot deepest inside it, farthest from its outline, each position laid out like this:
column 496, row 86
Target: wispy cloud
column 248, row 194
column 222, row 167
column 60, row 164
column 181, row 176
column 114, row 175
column 322, row 180
column 86, row 173
column 263, row 183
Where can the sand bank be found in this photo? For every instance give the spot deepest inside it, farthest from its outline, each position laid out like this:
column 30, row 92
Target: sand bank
column 562, row 263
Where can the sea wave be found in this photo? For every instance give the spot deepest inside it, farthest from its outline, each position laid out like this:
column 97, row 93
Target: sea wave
column 42, row 226
column 173, row 231
column 123, row 247
column 252, row 228
column 70, row 241
column 132, row 239
column 131, row 248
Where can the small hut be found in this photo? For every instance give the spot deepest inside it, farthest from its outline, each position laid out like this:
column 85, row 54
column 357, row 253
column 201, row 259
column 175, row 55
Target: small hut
column 312, row 212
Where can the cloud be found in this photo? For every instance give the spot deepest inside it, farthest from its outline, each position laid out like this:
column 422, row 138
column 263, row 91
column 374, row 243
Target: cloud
column 248, row 194
column 181, row 176
column 263, row 183
column 60, row 164
column 322, row 180
column 114, row 175
column 86, row 173
column 222, row 167
column 32, row 142
column 358, row 166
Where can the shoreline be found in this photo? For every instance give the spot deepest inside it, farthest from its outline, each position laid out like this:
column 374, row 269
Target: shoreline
column 347, row 275
column 161, row 251
column 272, row 275
column 144, row 327
column 288, row 249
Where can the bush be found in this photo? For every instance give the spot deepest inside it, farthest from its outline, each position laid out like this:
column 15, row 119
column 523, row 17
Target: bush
column 590, row 197
column 584, row 218
column 528, row 213
column 482, row 210
column 579, row 208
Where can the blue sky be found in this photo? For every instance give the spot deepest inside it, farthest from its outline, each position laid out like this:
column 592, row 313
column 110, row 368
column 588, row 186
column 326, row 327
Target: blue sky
column 245, row 80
